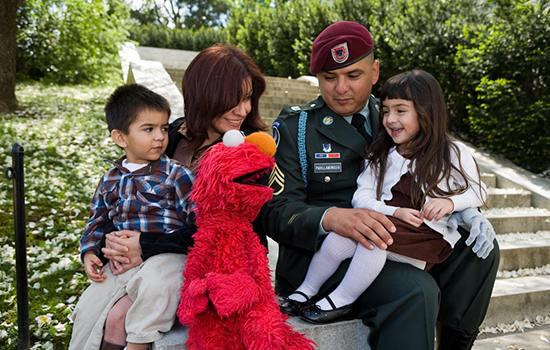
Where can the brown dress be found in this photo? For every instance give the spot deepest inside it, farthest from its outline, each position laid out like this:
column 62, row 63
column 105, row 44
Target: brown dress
column 421, row 242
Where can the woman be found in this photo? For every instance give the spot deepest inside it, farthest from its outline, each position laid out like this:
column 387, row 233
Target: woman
column 221, row 87
column 221, row 91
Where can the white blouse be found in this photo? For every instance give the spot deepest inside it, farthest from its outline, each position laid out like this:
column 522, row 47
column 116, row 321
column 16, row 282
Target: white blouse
column 397, row 166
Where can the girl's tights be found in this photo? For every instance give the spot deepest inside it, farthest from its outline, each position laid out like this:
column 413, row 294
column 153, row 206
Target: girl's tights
column 364, row 267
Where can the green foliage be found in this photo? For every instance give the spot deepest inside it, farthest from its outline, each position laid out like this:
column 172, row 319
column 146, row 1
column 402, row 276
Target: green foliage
column 203, row 14
column 70, row 41
column 505, row 77
column 278, row 35
column 65, row 138
column 509, row 127
column 157, row 35
column 190, row 14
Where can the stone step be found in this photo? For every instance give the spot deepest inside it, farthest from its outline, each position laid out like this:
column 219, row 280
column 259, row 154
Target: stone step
column 508, row 197
column 518, row 219
column 349, row 335
column 286, row 81
column 489, row 179
column 273, row 105
column 304, row 87
column 532, row 338
column 518, row 298
column 524, row 250
column 288, row 97
column 269, row 116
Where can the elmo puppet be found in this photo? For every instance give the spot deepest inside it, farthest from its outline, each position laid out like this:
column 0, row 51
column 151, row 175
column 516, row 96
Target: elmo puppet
column 227, row 299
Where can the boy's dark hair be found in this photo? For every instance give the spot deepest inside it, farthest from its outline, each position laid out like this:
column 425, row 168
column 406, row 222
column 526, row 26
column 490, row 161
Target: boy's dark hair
column 127, row 101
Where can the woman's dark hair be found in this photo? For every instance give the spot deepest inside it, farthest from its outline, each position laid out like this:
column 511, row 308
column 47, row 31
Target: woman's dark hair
column 214, row 83
column 431, row 148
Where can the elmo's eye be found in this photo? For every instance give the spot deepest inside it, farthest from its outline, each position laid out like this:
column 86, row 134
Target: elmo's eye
column 233, row 138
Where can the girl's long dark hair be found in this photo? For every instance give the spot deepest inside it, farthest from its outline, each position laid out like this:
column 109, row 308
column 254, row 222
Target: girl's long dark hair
column 213, row 85
column 430, row 150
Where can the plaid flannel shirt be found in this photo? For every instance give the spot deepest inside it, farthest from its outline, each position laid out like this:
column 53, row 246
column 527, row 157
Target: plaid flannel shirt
column 151, row 199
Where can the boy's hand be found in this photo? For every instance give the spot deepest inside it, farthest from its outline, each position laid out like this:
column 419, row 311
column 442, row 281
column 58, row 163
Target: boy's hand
column 437, row 208
column 411, row 216
column 93, row 267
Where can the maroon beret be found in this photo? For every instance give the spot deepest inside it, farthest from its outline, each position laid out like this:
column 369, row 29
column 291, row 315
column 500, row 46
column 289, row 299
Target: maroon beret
column 339, row 45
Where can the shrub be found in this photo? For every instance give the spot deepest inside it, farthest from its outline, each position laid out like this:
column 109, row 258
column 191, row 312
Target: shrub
column 504, row 74
column 158, row 35
column 70, row 41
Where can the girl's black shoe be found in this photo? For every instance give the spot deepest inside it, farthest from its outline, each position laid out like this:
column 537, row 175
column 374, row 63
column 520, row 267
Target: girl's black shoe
column 313, row 314
column 292, row 307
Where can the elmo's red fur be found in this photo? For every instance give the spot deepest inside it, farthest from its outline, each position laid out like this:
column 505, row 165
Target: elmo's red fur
column 227, row 299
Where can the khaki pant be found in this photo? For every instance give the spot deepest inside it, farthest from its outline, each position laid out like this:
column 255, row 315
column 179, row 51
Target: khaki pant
column 153, row 287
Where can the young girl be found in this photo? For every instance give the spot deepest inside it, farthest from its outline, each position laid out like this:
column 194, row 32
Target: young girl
column 416, row 175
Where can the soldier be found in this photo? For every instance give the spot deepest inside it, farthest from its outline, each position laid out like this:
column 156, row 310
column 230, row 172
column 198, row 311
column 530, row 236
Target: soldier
column 321, row 147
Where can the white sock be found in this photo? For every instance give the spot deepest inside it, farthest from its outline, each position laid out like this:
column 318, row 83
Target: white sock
column 364, row 268
column 325, row 262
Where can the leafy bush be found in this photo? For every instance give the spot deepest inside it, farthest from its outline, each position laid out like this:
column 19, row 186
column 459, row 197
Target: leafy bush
column 70, row 41
column 509, row 127
column 504, row 70
column 279, row 34
column 157, row 35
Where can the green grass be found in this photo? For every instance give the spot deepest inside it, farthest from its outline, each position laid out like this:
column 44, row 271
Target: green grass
column 65, row 139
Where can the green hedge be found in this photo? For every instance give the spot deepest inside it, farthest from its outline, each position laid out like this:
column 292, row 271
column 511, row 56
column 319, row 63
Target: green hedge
column 481, row 52
column 70, row 41
column 156, row 35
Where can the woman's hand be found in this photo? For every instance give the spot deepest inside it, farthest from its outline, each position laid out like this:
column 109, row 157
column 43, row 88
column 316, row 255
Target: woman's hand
column 123, row 250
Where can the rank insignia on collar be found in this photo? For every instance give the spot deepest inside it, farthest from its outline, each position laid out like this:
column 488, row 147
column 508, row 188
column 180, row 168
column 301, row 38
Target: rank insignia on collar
column 327, row 147
column 328, row 120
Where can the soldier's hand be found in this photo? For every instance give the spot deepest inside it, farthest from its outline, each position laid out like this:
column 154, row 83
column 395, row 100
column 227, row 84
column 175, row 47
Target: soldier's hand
column 361, row 225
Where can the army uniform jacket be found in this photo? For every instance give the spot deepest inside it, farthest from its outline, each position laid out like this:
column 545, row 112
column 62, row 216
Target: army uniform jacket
column 334, row 153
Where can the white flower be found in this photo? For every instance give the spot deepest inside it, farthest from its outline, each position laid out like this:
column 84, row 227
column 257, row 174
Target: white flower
column 43, row 319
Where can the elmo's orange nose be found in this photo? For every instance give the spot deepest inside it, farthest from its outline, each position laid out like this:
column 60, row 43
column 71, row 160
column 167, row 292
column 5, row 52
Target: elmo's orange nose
column 264, row 142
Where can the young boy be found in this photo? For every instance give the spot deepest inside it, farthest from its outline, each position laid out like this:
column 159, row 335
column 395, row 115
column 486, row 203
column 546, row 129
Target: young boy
column 145, row 191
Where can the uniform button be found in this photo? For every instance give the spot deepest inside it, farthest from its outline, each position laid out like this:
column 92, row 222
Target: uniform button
column 126, row 196
column 327, row 178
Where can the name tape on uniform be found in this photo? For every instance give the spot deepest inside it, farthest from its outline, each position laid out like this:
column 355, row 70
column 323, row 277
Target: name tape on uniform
column 328, row 168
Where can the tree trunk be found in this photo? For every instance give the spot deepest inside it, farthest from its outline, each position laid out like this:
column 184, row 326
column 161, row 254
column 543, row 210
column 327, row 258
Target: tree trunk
column 8, row 46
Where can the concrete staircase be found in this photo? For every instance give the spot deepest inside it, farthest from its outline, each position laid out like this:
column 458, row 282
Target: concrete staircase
column 519, row 209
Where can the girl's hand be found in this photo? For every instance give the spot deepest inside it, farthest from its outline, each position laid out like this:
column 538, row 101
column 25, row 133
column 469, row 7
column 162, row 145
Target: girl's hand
column 436, row 208
column 93, row 267
column 411, row 216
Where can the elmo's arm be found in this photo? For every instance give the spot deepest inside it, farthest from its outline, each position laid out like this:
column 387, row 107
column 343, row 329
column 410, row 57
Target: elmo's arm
column 234, row 293
column 193, row 301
